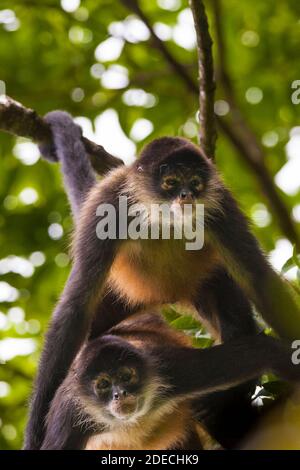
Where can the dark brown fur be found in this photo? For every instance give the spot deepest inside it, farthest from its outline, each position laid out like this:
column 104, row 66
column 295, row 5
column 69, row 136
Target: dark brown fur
column 76, row 420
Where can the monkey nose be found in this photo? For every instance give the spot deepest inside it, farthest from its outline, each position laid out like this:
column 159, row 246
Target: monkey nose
column 120, row 394
column 186, row 195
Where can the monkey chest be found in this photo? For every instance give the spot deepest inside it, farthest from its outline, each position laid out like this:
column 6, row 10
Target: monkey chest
column 159, row 271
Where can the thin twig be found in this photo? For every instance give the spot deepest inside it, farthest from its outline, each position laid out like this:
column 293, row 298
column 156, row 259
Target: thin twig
column 24, row 122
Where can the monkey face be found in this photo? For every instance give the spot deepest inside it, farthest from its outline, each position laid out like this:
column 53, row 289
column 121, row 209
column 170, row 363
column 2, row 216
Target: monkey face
column 115, row 376
column 120, row 391
column 180, row 182
column 175, row 170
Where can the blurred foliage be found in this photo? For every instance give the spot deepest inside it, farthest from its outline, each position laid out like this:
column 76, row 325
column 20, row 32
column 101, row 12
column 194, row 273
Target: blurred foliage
column 47, row 58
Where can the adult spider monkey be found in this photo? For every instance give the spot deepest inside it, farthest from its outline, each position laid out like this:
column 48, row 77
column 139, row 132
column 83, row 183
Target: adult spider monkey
column 130, row 389
column 120, row 277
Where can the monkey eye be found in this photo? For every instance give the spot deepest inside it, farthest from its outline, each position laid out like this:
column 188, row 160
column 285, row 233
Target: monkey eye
column 169, row 183
column 128, row 375
column 196, row 183
column 103, row 382
column 163, row 168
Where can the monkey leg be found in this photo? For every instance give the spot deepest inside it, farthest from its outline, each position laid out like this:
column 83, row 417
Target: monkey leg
column 228, row 415
column 110, row 311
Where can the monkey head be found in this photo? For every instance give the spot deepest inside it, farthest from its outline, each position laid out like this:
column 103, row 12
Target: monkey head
column 114, row 380
column 178, row 170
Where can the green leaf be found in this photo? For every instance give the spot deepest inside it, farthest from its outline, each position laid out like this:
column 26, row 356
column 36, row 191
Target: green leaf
column 170, row 314
column 296, row 257
column 289, row 264
column 186, row 322
column 202, row 342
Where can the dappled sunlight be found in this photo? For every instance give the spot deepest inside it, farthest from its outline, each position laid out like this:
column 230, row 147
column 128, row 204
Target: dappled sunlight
column 8, row 293
column 16, row 264
column 109, row 50
column 141, row 129
column 27, row 152
column 132, row 29
column 110, row 134
column 12, row 347
column 288, row 177
column 115, row 77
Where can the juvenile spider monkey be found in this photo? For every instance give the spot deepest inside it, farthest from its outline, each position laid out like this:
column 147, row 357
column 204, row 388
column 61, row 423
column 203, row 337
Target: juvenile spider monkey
column 118, row 277
column 131, row 389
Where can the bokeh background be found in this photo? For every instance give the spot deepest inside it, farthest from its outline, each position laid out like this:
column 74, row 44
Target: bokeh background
column 97, row 60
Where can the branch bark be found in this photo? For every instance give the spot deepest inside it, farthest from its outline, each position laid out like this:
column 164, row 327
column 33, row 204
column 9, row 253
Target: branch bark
column 24, row 122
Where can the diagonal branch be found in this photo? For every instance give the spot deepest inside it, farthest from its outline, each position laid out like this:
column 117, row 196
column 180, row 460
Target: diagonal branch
column 178, row 68
column 24, row 122
column 238, row 133
column 243, row 137
column 269, row 189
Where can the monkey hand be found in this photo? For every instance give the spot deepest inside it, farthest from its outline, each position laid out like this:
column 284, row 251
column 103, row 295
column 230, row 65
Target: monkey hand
column 63, row 130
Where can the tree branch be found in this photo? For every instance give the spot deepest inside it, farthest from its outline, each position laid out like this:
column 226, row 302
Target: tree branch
column 16, row 119
column 242, row 128
column 207, row 86
column 178, row 68
column 24, row 122
column 238, row 133
column 245, row 140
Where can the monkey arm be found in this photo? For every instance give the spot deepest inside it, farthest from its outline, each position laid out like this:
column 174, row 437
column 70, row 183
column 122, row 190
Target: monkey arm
column 223, row 366
column 224, row 305
column 273, row 297
column 66, row 333
column 67, row 425
column 66, row 429
column 68, row 329
column 78, row 174
column 227, row 414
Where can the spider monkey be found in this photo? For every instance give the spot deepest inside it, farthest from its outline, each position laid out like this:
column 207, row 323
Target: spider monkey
column 116, row 278
column 133, row 388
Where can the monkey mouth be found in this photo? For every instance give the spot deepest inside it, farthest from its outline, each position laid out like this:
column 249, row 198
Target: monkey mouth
column 179, row 208
column 180, row 203
column 187, row 200
column 124, row 410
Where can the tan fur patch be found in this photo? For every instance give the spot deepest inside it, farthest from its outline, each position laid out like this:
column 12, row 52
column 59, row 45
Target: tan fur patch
column 162, row 429
column 156, row 271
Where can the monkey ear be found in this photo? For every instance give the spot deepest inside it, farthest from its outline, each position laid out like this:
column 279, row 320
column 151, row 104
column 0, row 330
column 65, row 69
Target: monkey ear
column 163, row 168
